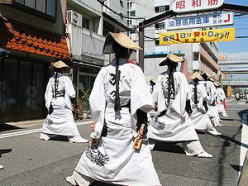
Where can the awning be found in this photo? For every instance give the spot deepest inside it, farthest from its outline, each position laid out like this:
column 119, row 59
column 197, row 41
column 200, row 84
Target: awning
column 19, row 37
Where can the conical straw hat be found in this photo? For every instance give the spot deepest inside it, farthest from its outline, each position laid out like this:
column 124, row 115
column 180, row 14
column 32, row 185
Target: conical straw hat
column 197, row 75
column 59, row 64
column 173, row 58
column 205, row 75
column 216, row 84
column 120, row 38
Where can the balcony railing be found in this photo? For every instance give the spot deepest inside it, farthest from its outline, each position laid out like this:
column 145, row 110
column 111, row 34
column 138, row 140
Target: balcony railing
column 92, row 44
column 86, row 45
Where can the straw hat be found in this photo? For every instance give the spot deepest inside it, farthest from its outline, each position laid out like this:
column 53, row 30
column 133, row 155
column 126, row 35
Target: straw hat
column 197, row 75
column 59, row 64
column 173, row 58
column 216, row 84
column 120, row 38
column 212, row 78
column 205, row 75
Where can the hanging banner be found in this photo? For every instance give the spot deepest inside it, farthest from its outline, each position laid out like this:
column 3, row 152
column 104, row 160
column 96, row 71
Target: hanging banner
column 211, row 19
column 181, row 6
column 201, row 36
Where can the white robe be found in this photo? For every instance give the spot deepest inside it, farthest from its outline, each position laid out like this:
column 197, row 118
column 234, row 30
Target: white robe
column 175, row 124
column 60, row 121
column 114, row 160
column 211, row 100
column 220, row 94
column 199, row 118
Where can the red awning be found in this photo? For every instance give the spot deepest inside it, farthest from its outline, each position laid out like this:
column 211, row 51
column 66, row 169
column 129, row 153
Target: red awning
column 18, row 37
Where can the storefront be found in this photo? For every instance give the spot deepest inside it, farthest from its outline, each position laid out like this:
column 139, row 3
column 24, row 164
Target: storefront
column 83, row 78
column 22, row 86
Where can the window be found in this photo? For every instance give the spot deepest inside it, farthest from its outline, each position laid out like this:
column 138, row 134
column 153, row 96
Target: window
column 86, row 23
column 129, row 5
column 132, row 13
column 129, row 22
column 47, row 7
column 159, row 9
column 121, row 3
column 160, row 26
column 157, row 42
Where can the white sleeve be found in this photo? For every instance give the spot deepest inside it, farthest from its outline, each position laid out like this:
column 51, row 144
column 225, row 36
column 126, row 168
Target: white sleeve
column 98, row 103
column 141, row 97
column 48, row 94
column 70, row 91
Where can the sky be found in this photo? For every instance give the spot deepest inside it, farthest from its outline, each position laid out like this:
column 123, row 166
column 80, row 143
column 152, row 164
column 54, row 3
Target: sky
column 241, row 25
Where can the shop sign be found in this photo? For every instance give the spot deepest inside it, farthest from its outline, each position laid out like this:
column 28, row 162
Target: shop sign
column 200, row 20
column 200, row 36
column 181, row 6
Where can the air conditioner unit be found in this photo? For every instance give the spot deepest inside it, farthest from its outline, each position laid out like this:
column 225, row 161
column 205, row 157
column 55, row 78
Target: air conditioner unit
column 74, row 18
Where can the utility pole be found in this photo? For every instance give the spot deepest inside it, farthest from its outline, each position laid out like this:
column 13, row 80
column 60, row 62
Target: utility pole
column 141, row 44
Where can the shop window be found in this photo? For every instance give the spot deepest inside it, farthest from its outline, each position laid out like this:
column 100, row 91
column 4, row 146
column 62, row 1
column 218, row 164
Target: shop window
column 9, row 87
column 46, row 7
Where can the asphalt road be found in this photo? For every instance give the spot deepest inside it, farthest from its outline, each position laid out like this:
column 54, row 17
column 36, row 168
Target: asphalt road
column 29, row 161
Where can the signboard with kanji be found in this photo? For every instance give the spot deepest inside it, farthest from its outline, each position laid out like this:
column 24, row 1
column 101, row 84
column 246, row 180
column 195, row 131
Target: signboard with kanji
column 200, row 20
column 181, row 6
column 200, row 36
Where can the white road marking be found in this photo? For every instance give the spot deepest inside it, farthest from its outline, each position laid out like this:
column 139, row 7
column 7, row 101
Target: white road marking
column 25, row 132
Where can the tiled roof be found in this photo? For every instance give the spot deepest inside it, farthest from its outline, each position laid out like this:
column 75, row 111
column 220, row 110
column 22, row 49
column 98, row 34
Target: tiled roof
column 16, row 36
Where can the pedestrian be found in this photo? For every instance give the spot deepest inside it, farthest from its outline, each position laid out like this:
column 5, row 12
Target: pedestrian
column 172, row 123
column 220, row 100
column 120, row 92
column 58, row 95
column 199, row 118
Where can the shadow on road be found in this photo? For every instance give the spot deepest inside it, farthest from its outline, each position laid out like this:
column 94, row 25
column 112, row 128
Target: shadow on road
column 4, row 151
column 6, row 127
column 168, row 147
column 225, row 153
column 103, row 184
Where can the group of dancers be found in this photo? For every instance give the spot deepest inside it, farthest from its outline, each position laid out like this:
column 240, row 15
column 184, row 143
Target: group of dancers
column 129, row 119
column 121, row 101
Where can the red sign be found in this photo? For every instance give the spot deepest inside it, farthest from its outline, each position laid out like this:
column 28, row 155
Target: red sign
column 195, row 5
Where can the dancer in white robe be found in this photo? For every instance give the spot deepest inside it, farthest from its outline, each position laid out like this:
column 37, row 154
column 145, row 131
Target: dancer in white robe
column 199, row 117
column 172, row 123
column 211, row 99
column 113, row 158
column 58, row 96
column 220, row 100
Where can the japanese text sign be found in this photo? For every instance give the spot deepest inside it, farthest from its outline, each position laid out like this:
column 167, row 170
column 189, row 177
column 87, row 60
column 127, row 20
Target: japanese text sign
column 216, row 35
column 181, row 6
column 201, row 20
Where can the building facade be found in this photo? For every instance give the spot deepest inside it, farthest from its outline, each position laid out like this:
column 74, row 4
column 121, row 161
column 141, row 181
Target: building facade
column 32, row 35
column 198, row 56
column 88, row 23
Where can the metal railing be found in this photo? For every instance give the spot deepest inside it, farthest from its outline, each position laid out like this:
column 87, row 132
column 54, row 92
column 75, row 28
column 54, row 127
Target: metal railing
column 92, row 44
